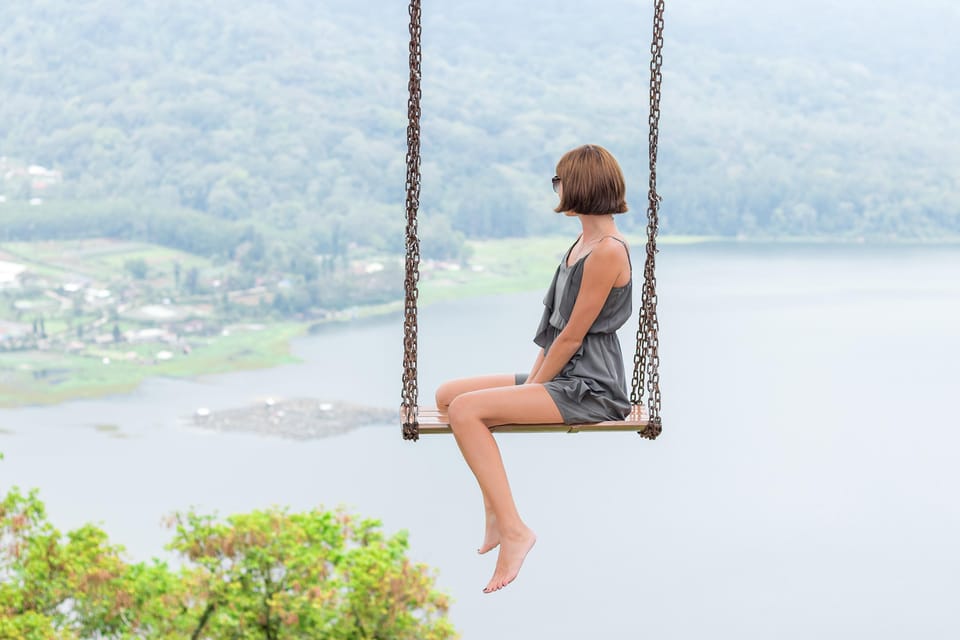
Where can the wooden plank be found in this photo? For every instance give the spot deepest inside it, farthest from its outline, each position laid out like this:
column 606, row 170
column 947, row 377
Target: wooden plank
column 432, row 421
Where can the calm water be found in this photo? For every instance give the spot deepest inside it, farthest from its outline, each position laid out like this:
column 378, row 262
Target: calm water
column 805, row 484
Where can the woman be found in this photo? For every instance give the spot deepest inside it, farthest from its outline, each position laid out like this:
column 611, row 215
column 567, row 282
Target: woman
column 578, row 375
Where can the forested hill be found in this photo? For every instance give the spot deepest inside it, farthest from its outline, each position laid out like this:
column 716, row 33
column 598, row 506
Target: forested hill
column 199, row 123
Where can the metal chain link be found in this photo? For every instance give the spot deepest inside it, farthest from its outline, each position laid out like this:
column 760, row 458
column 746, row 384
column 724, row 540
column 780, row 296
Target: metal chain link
column 411, row 428
column 646, row 360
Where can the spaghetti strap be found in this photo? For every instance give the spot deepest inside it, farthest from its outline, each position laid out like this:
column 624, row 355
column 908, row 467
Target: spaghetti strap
column 625, row 248
column 566, row 254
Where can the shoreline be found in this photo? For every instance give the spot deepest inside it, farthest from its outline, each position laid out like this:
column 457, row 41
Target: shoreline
column 496, row 267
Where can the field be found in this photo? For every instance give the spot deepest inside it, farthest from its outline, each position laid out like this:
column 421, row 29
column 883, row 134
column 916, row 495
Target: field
column 29, row 378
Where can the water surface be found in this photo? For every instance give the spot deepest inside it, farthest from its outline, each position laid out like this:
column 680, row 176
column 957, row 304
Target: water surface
column 804, row 485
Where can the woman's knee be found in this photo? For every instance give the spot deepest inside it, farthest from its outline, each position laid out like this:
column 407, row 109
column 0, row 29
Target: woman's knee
column 462, row 410
column 453, row 388
column 446, row 392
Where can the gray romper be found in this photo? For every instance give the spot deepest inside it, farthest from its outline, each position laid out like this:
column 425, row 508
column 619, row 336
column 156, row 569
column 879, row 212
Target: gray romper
column 592, row 386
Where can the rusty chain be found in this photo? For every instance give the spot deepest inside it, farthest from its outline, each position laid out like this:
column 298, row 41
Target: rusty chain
column 646, row 360
column 411, row 428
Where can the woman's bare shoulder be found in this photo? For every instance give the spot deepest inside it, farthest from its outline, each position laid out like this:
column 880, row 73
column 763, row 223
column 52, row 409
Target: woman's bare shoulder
column 612, row 249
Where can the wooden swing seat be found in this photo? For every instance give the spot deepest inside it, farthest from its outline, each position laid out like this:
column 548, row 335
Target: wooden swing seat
column 432, row 421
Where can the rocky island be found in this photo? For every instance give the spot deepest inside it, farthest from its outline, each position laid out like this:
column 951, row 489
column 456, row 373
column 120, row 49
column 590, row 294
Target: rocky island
column 298, row 418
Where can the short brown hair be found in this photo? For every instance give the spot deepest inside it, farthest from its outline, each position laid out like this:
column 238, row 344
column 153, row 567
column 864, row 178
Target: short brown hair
column 592, row 182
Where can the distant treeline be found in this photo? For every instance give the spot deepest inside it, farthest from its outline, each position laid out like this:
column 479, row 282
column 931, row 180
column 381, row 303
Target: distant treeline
column 311, row 284
column 184, row 229
column 208, row 126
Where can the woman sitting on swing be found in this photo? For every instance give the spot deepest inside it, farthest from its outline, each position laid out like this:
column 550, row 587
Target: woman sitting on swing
column 578, row 376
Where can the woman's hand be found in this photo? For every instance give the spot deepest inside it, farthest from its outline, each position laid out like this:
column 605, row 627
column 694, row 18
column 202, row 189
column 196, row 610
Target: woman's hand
column 536, row 366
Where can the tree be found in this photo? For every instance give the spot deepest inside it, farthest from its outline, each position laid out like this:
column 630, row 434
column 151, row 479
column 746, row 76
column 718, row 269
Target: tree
column 267, row 574
column 53, row 586
column 137, row 267
column 304, row 264
column 318, row 574
column 192, row 279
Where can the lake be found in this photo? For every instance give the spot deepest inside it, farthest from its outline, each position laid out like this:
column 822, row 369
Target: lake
column 805, row 484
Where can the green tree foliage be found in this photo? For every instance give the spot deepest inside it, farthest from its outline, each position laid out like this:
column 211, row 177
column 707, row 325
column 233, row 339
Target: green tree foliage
column 137, row 267
column 319, row 574
column 190, row 231
column 75, row 584
column 268, row 574
column 192, row 280
column 189, row 123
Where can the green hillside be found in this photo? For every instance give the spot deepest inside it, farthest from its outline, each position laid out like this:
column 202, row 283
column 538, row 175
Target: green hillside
column 207, row 125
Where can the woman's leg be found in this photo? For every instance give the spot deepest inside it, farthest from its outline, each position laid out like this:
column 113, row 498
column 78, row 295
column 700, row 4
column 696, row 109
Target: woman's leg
column 471, row 415
column 453, row 388
column 445, row 395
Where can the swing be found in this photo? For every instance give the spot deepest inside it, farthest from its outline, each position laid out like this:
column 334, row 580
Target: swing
column 644, row 418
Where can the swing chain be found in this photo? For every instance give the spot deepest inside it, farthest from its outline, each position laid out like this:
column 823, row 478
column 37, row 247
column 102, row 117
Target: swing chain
column 646, row 360
column 411, row 428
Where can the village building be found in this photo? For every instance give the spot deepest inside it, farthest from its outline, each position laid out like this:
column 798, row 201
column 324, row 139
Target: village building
column 10, row 273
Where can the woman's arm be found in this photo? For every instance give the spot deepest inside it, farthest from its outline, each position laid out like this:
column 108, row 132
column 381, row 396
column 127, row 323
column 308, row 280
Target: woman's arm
column 600, row 272
column 536, row 365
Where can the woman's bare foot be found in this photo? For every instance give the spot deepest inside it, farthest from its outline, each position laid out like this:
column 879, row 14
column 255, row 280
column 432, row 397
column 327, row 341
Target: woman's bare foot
column 513, row 551
column 492, row 536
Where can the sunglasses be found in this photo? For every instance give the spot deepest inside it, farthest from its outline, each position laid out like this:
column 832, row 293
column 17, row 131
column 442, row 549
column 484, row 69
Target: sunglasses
column 556, row 184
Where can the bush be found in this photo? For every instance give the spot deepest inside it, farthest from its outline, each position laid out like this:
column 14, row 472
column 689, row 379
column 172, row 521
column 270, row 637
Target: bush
column 265, row 574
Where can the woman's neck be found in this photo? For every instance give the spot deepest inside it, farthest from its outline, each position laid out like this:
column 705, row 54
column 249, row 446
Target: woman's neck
column 596, row 227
